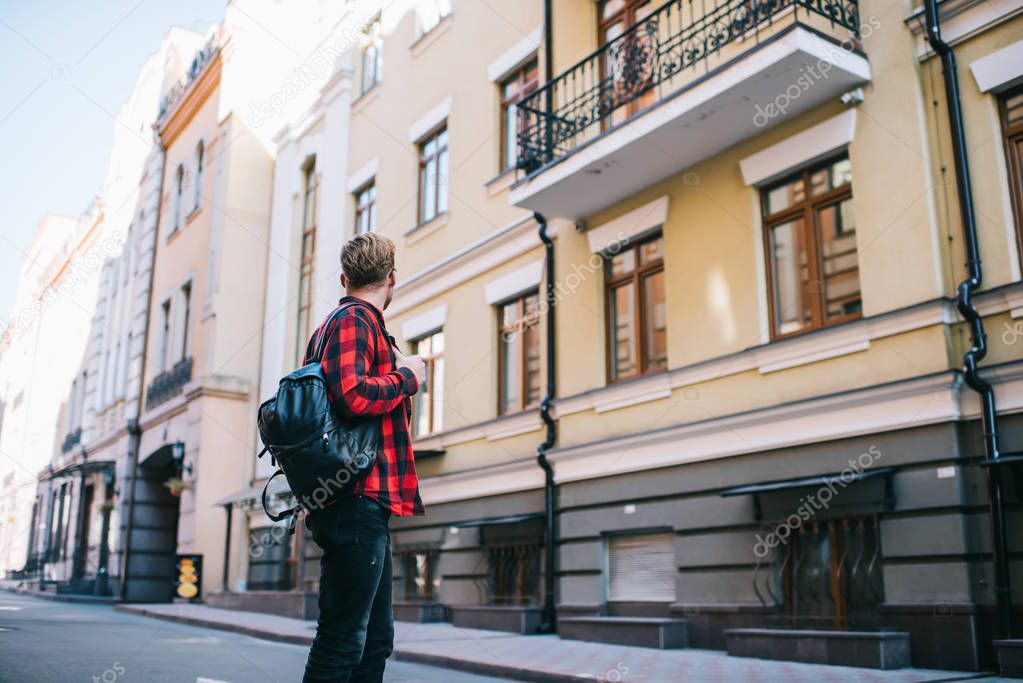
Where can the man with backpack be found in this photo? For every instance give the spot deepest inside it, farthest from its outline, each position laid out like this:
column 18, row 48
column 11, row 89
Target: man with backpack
column 368, row 378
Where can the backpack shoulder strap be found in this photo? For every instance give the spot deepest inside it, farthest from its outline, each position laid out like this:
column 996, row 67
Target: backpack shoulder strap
column 321, row 343
column 266, row 505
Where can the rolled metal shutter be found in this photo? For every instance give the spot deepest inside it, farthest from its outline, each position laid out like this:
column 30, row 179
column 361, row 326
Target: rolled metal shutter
column 641, row 568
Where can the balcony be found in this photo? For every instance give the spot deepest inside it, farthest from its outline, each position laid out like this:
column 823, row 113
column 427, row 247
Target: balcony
column 682, row 85
column 72, row 439
column 168, row 384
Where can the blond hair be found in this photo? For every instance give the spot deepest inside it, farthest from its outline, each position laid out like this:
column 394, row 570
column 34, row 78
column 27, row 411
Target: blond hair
column 367, row 260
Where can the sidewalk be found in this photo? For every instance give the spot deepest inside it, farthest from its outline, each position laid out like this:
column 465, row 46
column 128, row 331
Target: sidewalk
column 548, row 658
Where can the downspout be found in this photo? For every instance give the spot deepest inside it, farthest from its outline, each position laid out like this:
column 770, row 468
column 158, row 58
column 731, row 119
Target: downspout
column 133, row 427
column 964, row 303
column 549, row 616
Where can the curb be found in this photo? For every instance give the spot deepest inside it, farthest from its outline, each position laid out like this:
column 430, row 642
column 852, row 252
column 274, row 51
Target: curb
column 442, row 661
column 487, row 669
column 216, row 625
column 61, row 597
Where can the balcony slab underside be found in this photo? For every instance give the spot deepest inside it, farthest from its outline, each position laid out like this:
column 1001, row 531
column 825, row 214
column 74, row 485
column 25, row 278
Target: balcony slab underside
column 781, row 78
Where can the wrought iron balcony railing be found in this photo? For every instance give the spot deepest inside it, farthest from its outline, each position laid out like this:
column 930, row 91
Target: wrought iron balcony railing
column 71, row 440
column 203, row 57
column 169, row 384
column 588, row 98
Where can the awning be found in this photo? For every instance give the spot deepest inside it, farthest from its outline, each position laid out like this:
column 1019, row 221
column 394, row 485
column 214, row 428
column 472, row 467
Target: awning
column 770, row 499
column 251, row 493
column 823, row 480
column 86, row 467
column 494, row 521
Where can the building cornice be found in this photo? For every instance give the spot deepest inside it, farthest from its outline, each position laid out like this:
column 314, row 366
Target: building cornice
column 177, row 118
column 904, row 404
column 500, row 246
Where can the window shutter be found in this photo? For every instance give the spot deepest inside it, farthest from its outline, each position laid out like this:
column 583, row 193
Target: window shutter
column 641, row 568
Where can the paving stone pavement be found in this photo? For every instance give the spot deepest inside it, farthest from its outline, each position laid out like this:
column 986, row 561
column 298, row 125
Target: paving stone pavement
column 548, row 658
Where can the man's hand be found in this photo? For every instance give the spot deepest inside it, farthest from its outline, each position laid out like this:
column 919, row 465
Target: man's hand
column 413, row 363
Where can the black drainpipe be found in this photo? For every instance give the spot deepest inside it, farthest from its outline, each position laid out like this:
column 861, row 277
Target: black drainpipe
column 549, row 617
column 549, row 621
column 978, row 339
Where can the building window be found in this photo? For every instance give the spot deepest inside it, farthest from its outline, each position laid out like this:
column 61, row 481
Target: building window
column 433, row 175
column 522, row 82
column 305, row 276
column 372, row 58
column 625, row 70
column 421, row 580
column 514, row 572
column 641, row 568
column 810, row 242
column 269, row 563
column 432, row 12
column 637, row 318
column 178, row 190
column 165, row 322
column 197, row 189
column 366, row 208
column 519, row 357
column 830, row 574
column 186, row 314
column 1012, row 127
column 429, row 410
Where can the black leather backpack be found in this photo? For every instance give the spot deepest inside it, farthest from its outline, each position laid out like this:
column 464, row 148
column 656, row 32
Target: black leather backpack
column 319, row 453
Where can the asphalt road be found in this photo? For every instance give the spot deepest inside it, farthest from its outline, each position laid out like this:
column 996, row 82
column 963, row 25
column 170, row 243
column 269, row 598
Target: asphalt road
column 46, row 641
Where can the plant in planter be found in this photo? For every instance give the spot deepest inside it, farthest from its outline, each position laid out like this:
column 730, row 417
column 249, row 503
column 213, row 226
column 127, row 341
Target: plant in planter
column 106, row 507
column 177, row 485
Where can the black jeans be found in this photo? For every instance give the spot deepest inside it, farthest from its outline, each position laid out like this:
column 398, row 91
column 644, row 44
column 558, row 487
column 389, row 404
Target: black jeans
column 355, row 632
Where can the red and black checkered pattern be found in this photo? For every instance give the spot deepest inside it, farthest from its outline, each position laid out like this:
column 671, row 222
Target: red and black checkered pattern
column 363, row 381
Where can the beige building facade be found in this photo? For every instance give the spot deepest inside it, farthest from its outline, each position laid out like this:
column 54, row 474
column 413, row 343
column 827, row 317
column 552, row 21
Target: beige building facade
column 685, row 280
column 757, row 245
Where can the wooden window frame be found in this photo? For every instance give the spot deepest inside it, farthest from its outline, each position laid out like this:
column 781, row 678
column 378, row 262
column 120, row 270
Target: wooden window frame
column 636, row 277
column 807, row 211
column 430, row 360
column 525, row 86
column 310, row 191
column 424, row 162
column 523, row 322
column 1012, row 138
column 368, row 207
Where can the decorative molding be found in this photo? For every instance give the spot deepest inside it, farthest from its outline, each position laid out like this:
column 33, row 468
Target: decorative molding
column 805, row 147
column 632, row 392
column 905, row 404
column 361, row 177
column 500, row 246
column 961, row 20
column 629, row 225
column 514, row 283
column 999, row 70
column 420, row 325
column 430, row 120
column 515, row 55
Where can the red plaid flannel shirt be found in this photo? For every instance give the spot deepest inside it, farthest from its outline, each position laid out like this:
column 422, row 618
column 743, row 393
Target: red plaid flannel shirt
column 363, row 381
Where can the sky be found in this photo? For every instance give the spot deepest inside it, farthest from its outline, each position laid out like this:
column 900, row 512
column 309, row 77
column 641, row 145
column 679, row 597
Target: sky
column 65, row 68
